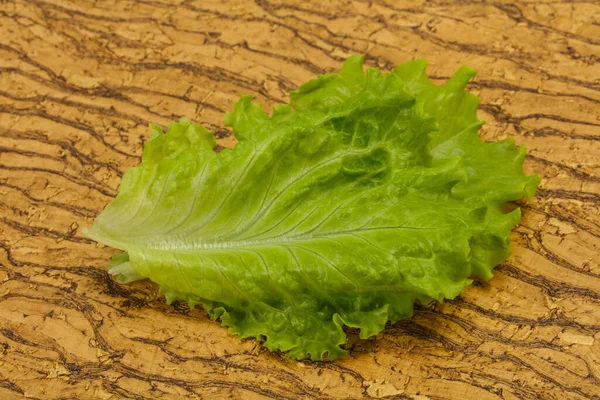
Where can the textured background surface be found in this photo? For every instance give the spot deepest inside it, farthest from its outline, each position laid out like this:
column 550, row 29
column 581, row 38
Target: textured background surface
column 80, row 81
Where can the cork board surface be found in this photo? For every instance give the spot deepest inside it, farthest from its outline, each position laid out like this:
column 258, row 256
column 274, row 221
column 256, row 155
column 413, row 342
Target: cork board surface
column 81, row 80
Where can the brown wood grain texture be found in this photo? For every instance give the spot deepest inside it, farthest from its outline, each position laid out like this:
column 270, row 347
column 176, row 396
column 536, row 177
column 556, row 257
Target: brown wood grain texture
column 81, row 80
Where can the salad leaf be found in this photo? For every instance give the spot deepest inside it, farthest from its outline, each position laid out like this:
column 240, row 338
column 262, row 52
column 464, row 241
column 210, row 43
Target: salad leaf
column 368, row 192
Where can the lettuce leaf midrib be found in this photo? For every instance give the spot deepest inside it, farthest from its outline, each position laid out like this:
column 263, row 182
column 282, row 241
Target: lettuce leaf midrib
column 221, row 242
column 208, row 246
column 260, row 213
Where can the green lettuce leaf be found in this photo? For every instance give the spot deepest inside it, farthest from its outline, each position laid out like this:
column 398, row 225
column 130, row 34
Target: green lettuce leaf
column 368, row 192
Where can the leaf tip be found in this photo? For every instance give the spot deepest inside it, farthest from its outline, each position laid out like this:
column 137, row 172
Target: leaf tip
column 461, row 77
